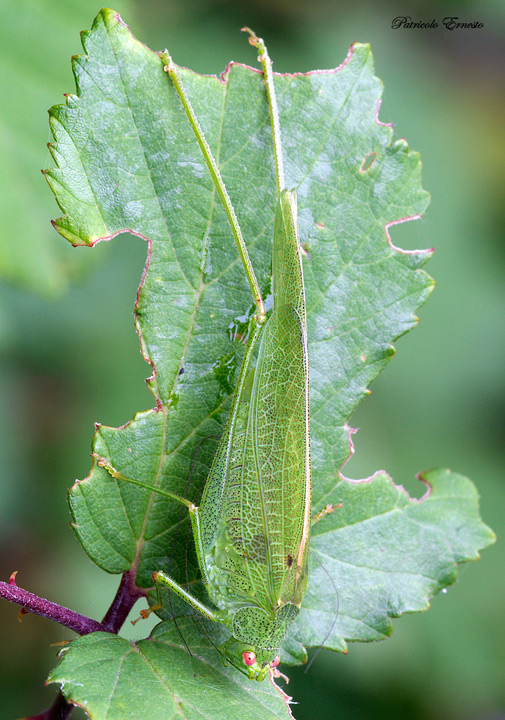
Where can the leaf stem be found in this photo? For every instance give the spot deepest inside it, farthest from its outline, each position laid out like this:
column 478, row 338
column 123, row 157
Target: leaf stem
column 126, row 596
column 268, row 79
column 173, row 72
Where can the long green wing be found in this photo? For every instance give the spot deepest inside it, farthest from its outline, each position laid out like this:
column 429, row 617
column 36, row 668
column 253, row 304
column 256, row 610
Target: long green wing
column 276, row 485
column 256, row 550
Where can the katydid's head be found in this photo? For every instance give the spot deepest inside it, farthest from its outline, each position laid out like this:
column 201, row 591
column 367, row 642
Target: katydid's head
column 252, row 661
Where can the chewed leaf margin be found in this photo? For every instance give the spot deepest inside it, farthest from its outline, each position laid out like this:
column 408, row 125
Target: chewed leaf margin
column 380, row 553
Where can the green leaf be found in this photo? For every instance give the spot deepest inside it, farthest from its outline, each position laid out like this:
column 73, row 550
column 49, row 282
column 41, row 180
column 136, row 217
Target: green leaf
column 111, row 677
column 386, row 554
column 128, row 161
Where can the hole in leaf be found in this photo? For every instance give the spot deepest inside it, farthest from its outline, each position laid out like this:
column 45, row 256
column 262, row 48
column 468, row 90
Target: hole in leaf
column 368, row 162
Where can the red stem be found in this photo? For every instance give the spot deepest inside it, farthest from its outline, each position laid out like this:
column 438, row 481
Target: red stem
column 39, row 606
column 126, row 597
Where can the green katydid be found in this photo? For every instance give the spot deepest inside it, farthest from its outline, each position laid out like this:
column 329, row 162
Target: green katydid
column 251, row 529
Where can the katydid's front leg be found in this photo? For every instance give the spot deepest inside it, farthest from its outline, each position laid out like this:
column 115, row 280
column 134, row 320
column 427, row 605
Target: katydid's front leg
column 221, row 458
column 256, row 324
column 102, row 462
column 160, row 578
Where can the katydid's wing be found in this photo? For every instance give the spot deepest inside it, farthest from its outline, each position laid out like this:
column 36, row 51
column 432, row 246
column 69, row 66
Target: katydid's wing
column 276, row 475
column 256, row 506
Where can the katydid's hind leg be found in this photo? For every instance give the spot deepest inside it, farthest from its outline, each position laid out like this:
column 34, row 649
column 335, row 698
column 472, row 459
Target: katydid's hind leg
column 268, row 79
column 171, row 68
column 160, row 578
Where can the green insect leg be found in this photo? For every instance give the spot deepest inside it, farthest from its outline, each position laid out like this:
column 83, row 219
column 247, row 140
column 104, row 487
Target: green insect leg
column 161, row 579
column 119, row 476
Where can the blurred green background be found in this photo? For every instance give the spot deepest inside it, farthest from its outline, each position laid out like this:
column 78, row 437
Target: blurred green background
column 69, row 354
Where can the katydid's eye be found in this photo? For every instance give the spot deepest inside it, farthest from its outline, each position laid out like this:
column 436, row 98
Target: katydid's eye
column 249, row 658
column 275, row 661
